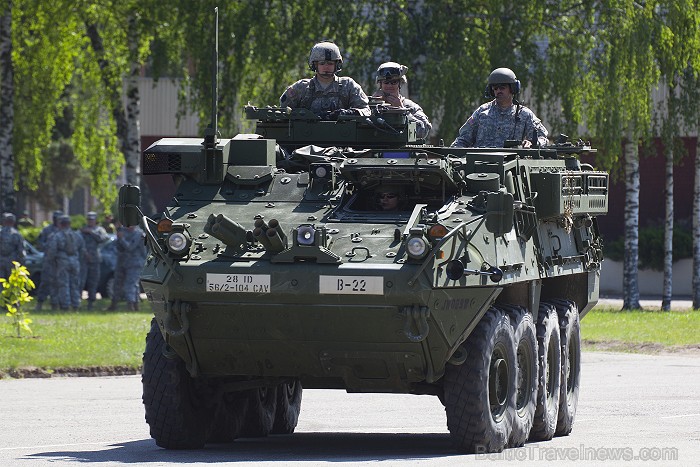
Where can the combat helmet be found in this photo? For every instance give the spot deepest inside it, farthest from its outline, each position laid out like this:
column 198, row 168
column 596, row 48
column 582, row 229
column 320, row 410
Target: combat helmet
column 64, row 220
column 502, row 76
column 325, row 51
column 388, row 70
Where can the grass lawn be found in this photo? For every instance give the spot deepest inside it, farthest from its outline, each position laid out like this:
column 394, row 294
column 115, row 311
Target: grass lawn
column 661, row 328
column 113, row 342
column 77, row 339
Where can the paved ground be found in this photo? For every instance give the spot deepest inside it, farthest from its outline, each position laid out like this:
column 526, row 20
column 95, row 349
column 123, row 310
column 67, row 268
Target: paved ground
column 633, row 410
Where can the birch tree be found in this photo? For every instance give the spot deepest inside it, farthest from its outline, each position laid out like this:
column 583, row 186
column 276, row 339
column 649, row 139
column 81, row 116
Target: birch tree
column 7, row 174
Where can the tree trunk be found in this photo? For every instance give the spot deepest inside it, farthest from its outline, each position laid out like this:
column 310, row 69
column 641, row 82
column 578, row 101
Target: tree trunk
column 630, row 284
column 668, row 234
column 696, row 228
column 7, row 111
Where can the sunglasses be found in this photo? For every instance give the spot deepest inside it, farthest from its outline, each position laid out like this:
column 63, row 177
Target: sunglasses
column 496, row 87
column 391, row 81
column 387, row 195
column 325, row 62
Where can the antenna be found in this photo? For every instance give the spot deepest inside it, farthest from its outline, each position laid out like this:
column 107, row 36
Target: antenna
column 212, row 131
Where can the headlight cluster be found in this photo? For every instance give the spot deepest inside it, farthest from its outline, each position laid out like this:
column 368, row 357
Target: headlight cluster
column 177, row 239
column 421, row 240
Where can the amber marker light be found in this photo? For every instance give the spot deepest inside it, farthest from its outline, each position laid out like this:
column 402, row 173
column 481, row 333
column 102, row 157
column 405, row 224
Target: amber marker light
column 437, row 231
column 165, row 225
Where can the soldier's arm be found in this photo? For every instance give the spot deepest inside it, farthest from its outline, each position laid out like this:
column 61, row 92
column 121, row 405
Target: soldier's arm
column 423, row 125
column 291, row 97
column 536, row 127
column 359, row 100
column 467, row 133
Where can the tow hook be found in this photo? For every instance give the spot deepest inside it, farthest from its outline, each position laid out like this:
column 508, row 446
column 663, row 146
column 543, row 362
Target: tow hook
column 416, row 316
column 176, row 312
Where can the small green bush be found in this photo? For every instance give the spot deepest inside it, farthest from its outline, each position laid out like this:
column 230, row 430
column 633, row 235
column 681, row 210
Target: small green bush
column 651, row 247
column 15, row 294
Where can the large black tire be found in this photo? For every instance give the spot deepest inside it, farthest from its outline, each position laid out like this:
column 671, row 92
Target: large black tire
column 288, row 408
column 260, row 414
column 570, row 329
column 229, row 418
column 179, row 408
column 480, row 393
column 527, row 376
column 549, row 356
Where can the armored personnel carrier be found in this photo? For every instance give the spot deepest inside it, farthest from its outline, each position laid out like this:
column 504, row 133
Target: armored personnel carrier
column 349, row 255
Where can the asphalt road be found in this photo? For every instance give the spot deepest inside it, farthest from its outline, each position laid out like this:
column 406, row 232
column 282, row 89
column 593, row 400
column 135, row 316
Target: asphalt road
column 638, row 409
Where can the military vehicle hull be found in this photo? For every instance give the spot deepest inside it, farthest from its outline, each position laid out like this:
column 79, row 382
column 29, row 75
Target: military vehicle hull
column 275, row 268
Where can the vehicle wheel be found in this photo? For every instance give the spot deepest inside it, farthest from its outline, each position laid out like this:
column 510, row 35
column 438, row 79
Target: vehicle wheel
column 526, row 379
column 179, row 408
column 480, row 393
column 570, row 329
column 229, row 418
column 549, row 358
column 288, row 408
column 260, row 416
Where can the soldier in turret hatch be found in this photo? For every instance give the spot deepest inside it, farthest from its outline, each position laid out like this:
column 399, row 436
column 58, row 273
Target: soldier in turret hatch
column 326, row 94
column 390, row 77
column 503, row 118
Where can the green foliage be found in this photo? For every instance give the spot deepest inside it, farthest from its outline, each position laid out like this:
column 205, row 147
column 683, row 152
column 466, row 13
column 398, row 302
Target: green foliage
column 30, row 234
column 15, row 293
column 651, row 247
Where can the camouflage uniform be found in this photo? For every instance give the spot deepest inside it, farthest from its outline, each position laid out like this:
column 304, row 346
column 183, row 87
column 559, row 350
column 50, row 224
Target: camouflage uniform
column 342, row 93
column 415, row 114
column 47, row 285
column 11, row 246
column 65, row 249
column 131, row 255
column 490, row 126
column 93, row 236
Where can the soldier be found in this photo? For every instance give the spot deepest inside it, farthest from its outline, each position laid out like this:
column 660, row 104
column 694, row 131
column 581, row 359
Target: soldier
column 93, row 235
column 131, row 253
column 389, row 197
column 326, row 94
column 503, row 118
column 47, row 285
column 390, row 77
column 64, row 250
column 11, row 245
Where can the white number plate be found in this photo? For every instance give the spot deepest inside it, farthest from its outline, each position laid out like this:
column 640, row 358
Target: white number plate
column 241, row 283
column 350, row 285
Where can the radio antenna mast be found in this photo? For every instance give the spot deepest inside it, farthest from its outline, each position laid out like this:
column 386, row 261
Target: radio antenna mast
column 212, row 132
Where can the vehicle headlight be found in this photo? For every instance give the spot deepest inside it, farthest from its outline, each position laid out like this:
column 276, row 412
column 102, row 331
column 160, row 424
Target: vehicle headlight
column 306, row 235
column 178, row 243
column 416, row 247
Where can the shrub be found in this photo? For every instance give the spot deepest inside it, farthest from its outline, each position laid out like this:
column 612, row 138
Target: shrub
column 15, row 293
column 651, row 247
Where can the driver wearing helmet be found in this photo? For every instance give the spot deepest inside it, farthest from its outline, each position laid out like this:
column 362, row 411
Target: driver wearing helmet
column 503, row 118
column 326, row 94
column 390, row 77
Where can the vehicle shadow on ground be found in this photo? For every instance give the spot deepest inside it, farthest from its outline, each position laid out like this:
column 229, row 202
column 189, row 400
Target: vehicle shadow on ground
column 300, row 447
